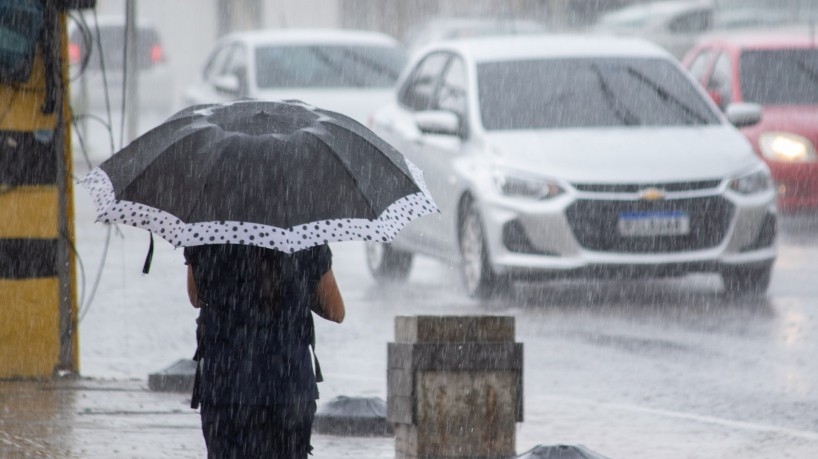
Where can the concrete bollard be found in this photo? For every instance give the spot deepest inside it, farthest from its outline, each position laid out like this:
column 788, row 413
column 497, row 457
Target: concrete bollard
column 454, row 387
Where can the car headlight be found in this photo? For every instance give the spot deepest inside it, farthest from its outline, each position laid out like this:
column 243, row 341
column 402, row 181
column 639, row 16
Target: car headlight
column 527, row 188
column 786, row 147
column 754, row 181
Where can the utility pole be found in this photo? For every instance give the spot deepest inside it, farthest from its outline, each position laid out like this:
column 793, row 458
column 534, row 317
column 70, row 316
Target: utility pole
column 38, row 308
column 131, row 99
column 236, row 15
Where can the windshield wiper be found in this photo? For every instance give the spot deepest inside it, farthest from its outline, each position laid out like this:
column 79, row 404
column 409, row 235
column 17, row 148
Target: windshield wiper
column 619, row 109
column 326, row 59
column 665, row 95
column 357, row 58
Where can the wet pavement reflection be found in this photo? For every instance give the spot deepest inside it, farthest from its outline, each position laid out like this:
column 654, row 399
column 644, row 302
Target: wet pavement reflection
column 669, row 368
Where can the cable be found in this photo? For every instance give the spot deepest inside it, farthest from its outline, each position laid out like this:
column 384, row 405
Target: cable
column 81, row 266
column 77, row 131
column 104, row 77
column 85, row 305
column 87, row 42
column 82, row 145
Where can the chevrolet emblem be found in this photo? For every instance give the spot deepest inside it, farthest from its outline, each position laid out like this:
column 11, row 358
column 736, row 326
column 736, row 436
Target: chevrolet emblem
column 652, row 194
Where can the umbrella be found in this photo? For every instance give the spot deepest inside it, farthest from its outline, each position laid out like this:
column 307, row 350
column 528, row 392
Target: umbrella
column 560, row 452
column 281, row 175
column 352, row 416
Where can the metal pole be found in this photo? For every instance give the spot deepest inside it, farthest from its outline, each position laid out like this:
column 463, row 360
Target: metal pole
column 69, row 347
column 223, row 13
column 131, row 108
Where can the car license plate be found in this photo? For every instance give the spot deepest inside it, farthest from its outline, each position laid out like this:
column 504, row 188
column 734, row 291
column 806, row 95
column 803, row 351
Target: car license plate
column 635, row 224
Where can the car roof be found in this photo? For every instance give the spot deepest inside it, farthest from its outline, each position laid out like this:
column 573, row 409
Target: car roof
column 323, row 36
column 770, row 38
column 517, row 47
column 663, row 7
column 457, row 20
column 447, row 23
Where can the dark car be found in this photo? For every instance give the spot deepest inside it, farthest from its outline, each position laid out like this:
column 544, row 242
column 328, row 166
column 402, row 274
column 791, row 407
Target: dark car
column 94, row 67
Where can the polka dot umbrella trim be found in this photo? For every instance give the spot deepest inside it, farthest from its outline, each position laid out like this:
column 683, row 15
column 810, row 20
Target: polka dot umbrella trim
column 280, row 175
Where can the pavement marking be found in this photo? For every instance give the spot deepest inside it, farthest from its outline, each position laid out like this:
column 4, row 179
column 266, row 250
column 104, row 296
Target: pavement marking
column 805, row 434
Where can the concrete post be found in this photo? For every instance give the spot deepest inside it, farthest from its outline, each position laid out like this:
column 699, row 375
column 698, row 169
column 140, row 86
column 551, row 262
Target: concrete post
column 38, row 301
column 454, row 387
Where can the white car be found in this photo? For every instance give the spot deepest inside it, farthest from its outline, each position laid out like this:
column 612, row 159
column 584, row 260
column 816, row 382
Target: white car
column 672, row 24
column 453, row 28
column 575, row 156
column 350, row 72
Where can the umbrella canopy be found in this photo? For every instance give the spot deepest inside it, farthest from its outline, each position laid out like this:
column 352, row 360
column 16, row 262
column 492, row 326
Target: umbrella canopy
column 560, row 452
column 281, row 175
column 352, row 416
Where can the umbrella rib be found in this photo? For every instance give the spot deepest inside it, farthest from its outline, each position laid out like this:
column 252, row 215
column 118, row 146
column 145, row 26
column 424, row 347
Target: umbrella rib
column 144, row 170
column 209, row 168
column 376, row 147
column 349, row 174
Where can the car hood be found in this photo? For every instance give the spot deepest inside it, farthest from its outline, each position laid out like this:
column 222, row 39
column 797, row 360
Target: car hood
column 355, row 103
column 625, row 155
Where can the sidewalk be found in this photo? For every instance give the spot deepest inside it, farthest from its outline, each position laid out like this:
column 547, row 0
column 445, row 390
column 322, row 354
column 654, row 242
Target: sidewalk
column 90, row 418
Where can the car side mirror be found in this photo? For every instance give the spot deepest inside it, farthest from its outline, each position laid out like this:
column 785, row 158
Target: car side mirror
column 439, row 122
column 228, row 84
column 743, row 114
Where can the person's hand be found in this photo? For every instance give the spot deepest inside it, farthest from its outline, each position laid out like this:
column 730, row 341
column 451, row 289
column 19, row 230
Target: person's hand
column 192, row 290
column 326, row 299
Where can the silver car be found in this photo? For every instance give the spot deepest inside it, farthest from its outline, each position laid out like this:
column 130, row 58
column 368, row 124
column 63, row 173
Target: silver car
column 576, row 156
column 347, row 71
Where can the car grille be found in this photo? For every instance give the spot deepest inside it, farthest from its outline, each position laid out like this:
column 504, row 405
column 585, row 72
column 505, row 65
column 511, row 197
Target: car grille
column 594, row 224
column 636, row 187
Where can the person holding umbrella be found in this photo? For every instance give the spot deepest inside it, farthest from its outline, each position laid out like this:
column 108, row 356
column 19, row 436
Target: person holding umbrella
column 258, row 388
column 255, row 191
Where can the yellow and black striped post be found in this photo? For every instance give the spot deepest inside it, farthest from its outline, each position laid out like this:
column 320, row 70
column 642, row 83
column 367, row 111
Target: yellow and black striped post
column 38, row 320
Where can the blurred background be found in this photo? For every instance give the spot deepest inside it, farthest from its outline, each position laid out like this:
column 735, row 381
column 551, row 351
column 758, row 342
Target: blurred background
column 189, row 28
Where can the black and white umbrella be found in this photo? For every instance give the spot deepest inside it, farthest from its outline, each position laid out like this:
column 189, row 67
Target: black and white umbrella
column 281, row 175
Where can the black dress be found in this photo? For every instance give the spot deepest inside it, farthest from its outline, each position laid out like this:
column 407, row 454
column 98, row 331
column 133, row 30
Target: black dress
column 258, row 386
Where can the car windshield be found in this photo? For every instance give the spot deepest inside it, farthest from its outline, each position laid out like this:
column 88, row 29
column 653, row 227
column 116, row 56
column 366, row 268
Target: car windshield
column 780, row 77
column 328, row 66
column 581, row 93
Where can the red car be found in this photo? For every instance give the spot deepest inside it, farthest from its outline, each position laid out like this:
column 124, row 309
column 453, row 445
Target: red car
column 777, row 69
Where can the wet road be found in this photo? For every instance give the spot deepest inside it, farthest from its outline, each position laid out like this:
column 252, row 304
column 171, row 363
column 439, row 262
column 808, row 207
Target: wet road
column 661, row 369
column 681, row 369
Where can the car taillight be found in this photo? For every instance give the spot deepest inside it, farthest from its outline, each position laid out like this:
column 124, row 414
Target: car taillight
column 74, row 53
column 157, row 56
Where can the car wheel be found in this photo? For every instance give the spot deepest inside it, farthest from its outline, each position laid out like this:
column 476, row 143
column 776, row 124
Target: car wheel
column 386, row 263
column 746, row 281
column 478, row 277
